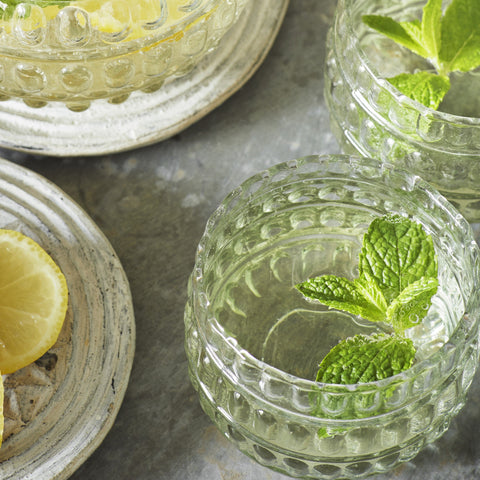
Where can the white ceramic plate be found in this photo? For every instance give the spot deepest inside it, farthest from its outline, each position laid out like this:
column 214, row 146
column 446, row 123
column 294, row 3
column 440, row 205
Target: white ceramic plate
column 60, row 408
column 148, row 118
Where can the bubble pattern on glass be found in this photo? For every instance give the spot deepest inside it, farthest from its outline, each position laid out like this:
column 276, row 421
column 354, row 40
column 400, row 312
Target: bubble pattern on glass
column 369, row 117
column 266, row 412
column 65, row 59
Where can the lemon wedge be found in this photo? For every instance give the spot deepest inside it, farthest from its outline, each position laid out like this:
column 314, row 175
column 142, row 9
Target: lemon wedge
column 131, row 18
column 33, row 301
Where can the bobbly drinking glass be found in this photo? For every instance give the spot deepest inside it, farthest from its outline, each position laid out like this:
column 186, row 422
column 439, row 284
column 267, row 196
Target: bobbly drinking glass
column 64, row 56
column 372, row 118
column 251, row 339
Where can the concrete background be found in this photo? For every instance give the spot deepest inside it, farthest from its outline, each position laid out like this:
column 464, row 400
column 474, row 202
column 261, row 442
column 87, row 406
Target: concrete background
column 153, row 203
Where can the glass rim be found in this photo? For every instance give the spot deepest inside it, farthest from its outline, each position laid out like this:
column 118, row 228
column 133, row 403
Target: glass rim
column 369, row 67
column 456, row 339
column 118, row 42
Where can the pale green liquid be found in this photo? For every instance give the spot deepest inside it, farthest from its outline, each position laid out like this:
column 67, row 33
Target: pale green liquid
column 258, row 305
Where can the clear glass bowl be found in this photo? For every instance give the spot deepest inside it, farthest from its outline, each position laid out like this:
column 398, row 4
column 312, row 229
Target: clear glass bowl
column 78, row 51
column 369, row 116
column 253, row 342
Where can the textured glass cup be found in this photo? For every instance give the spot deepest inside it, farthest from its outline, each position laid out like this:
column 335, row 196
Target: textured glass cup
column 253, row 342
column 369, row 116
column 91, row 77
column 78, row 51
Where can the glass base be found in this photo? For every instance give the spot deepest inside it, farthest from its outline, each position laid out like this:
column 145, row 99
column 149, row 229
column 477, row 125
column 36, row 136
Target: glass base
column 146, row 118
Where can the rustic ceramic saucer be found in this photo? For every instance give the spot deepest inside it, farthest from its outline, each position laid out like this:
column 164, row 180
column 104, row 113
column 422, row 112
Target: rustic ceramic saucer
column 59, row 409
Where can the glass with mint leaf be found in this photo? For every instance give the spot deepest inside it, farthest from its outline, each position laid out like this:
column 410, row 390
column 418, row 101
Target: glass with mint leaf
column 401, row 83
column 398, row 275
column 370, row 360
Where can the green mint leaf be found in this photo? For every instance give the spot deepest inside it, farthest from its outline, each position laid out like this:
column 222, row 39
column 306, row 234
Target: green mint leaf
column 368, row 287
column 449, row 40
column 362, row 359
column 397, row 31
column 460, row 36
column 414, row 29
column 424, row 87
column 411, row 306
column 431, row 28
column 327, row 432
column 358, row 359
column 324, row 432
column 397, row 276
column 395, row 253
column 357, row 298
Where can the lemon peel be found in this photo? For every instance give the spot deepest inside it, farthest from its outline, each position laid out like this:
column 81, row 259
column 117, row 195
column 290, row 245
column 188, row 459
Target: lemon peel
column 33, row 301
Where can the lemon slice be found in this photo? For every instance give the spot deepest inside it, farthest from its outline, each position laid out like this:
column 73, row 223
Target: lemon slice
column 133, row 18
column 33, row 301
column 114, row 16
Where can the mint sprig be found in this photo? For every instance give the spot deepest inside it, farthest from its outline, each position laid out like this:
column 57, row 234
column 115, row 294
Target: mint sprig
column 397, row 279
column 449, row 40
column 397, row 276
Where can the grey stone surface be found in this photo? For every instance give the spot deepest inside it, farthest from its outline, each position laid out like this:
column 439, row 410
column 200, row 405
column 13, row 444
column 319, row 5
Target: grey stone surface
column 152, row 204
